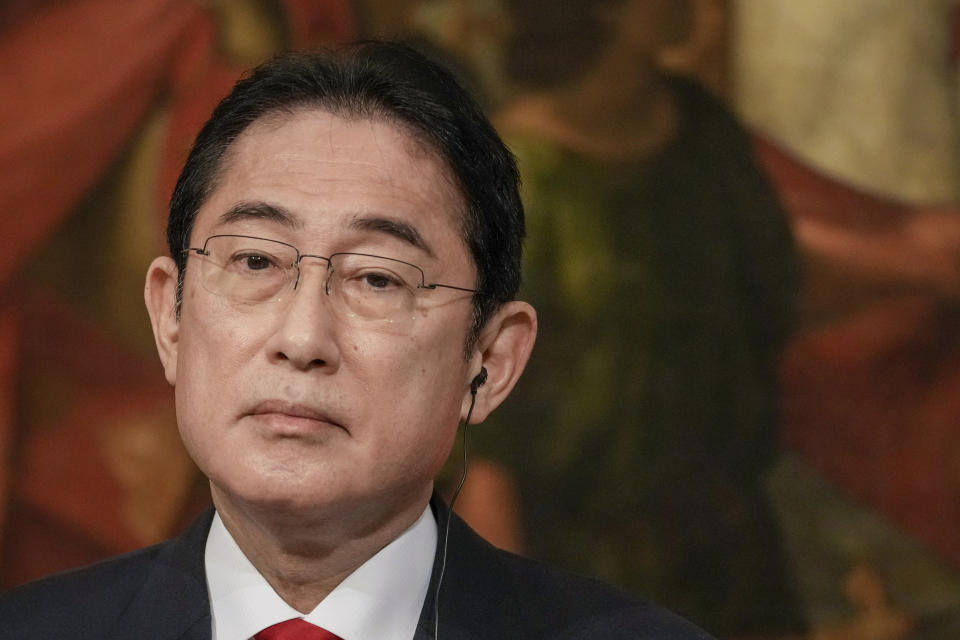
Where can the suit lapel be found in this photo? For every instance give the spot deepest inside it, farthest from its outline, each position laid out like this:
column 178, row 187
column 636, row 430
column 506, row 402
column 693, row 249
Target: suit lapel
column 173, row 603
column 479, row 598
column 451, row 589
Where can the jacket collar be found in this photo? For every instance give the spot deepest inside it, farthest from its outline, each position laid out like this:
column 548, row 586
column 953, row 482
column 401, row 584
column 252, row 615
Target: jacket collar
column 173, row 603
column 449, row 526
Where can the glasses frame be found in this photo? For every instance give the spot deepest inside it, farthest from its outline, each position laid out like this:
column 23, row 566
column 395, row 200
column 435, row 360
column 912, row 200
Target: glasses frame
column 300, row 256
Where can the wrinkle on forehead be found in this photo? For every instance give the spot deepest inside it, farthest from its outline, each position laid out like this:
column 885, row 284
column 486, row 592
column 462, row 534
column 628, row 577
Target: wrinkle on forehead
column 414, row 142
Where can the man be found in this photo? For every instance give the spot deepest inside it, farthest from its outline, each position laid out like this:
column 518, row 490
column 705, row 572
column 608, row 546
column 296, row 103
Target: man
column 345, row 241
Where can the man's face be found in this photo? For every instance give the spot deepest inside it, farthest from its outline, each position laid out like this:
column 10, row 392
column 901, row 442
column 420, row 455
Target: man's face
column 291, row 405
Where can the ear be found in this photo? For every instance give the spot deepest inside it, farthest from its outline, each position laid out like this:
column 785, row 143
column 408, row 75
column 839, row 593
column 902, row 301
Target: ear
column 160, row 294
column 503, row 349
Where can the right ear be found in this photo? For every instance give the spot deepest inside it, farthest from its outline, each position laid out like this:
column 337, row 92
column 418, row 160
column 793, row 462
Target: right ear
column 160, row 294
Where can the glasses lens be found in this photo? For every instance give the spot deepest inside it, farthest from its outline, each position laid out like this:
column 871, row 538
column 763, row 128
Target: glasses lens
column 372, row 287
column 248, row 269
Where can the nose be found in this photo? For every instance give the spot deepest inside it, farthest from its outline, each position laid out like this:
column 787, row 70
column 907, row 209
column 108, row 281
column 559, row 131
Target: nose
column 305, row 335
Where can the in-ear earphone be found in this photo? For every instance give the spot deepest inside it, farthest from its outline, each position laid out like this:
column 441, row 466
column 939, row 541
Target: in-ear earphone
column 478, row 380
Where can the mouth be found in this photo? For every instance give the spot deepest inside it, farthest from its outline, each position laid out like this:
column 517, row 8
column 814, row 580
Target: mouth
column 290, row 418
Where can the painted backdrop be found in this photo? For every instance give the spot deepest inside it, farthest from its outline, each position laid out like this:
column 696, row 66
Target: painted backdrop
column 744, row 243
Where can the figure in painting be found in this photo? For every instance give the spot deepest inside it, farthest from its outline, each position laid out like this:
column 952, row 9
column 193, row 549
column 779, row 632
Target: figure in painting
column 665, row 272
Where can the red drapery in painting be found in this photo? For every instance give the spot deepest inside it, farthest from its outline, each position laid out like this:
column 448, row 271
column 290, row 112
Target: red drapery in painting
column 77, row 80
column 872, row 401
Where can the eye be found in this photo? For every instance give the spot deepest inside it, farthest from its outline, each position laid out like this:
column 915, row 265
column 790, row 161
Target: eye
column 373, row 280
column 256, row 263
column 379, row 281
column 249, row 261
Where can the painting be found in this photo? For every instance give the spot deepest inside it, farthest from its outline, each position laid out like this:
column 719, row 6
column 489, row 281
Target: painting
column 743, row 244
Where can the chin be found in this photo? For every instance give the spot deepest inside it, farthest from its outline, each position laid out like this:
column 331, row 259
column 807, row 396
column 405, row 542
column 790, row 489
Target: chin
column 292, row 497
column 263, row 481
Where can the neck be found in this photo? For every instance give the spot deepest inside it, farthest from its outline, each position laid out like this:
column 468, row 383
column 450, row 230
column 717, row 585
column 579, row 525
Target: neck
column 304, row 557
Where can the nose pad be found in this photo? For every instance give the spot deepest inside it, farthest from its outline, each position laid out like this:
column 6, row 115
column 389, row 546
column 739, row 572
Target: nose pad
column 326, row 281
column 327, row 276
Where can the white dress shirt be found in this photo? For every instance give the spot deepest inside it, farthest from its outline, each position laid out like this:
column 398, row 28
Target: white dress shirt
column 380, row 600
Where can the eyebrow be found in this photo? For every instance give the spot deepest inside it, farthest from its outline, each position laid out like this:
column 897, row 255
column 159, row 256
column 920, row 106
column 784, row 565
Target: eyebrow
column 265, row 211
column 260, row 211
column 400, row 230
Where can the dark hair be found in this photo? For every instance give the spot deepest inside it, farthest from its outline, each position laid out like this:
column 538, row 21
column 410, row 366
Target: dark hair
column 553, row 41
column 377, row 80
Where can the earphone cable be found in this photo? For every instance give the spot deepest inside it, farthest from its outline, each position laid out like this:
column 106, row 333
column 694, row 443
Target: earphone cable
column 446, row 533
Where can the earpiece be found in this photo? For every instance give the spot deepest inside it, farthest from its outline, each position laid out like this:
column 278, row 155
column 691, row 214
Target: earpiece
column 478, row 380
column 475, row 384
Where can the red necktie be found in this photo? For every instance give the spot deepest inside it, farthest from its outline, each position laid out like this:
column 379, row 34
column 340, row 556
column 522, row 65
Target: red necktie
column 295, row 629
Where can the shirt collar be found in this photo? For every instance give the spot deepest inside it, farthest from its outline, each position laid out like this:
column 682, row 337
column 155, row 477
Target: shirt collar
column 380, row 600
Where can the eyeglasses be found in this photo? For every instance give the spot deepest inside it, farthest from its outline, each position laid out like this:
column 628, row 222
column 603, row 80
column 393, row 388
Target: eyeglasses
column 256, row 271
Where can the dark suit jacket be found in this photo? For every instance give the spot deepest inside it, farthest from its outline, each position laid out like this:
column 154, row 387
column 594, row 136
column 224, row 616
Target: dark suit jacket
column 160, row 593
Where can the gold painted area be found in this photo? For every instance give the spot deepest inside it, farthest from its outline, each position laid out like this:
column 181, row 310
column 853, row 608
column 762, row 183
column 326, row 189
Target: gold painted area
column 862, row 90
column 135, row 238
column 98, row 258
column 250, row 30
column 148, row 461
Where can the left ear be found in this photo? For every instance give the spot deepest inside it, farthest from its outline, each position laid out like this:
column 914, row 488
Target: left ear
column 503, row 349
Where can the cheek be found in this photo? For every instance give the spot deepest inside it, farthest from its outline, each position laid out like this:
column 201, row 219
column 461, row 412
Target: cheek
column 431, row 378
column 428, row 360
column 214, row 366
column 212, row 356
column 418, row 378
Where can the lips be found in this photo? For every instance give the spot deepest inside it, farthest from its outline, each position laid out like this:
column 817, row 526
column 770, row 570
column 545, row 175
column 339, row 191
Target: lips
column 291, row 418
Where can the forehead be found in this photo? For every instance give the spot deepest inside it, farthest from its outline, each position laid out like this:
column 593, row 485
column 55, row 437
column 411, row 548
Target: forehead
column 330, row 171
column 317, row 129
